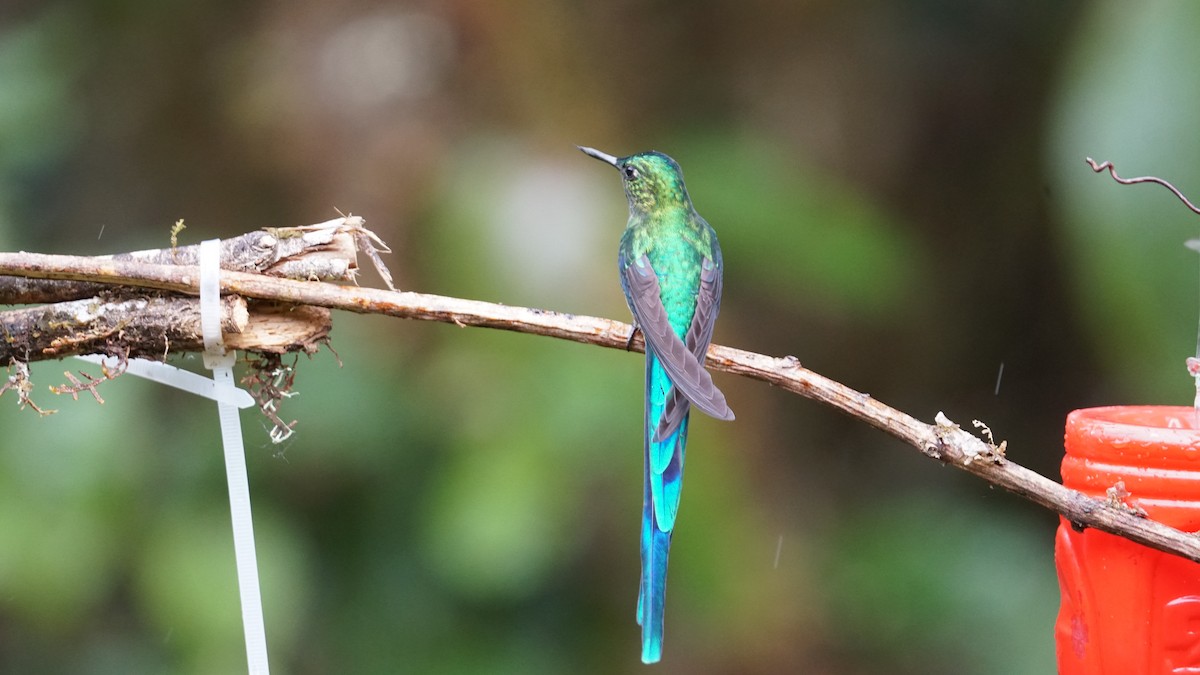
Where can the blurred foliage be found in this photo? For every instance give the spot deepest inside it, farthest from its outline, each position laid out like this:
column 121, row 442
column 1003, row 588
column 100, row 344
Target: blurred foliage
column 1125, row 99
column 809, row 235
column 903, row 205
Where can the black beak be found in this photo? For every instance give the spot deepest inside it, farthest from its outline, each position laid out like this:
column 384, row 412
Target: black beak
column 603, row 157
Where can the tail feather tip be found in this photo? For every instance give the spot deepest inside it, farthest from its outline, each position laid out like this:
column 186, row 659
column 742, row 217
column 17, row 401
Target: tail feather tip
column 651, row 652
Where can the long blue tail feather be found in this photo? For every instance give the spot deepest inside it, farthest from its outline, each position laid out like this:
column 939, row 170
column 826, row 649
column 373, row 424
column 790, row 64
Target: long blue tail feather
column 660, row 505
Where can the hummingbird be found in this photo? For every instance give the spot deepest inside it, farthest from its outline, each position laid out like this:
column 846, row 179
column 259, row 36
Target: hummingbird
column 670, row 270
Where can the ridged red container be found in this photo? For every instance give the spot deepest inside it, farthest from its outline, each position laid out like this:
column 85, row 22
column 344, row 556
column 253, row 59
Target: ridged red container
column 1128, row 609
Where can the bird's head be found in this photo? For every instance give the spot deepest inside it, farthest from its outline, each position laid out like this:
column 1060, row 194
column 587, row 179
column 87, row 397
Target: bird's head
column 652, row 180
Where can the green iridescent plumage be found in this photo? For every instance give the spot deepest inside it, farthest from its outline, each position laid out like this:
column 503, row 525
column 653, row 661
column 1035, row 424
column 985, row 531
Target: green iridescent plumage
column 670, row 268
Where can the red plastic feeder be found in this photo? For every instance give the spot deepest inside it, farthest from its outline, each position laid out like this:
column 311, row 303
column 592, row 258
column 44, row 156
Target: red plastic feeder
column 1128, row 609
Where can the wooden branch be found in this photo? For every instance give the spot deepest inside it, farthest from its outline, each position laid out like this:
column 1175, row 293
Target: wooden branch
column 145, row 326
column 278, row 328
column 150, row 326
column 943, row 440
column 92, row 317
column 325, row 251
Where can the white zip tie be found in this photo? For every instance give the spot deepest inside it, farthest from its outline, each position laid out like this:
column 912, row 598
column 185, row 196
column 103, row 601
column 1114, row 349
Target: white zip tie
column 165, row 373
column 229, row 398
column 221, row 363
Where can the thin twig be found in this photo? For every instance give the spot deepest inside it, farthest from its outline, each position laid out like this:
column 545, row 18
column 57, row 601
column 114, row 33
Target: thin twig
column 23, row 386
column 1112, row 171
column 943, row 441
column 90, row 382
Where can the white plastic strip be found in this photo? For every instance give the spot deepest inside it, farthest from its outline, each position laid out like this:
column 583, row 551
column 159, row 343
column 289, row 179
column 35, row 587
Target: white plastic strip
column 210, row 297
column 165, row 373
column 235, row 457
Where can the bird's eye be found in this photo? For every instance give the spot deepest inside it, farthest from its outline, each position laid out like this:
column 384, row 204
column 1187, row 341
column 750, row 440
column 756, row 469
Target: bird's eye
column 630, row 172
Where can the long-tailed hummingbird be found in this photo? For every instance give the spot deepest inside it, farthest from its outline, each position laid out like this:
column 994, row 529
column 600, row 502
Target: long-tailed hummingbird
column 670, row 269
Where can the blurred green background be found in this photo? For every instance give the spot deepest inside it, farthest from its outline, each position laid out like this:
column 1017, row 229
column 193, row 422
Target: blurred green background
column 901, row 195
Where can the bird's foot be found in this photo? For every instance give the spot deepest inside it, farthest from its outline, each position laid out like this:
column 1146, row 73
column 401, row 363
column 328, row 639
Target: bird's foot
column 632, row 334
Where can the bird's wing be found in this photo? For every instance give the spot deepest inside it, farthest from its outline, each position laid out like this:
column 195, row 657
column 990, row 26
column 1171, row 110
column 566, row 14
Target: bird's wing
column 685, row 370
column 699, row 335
column 708, row 302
